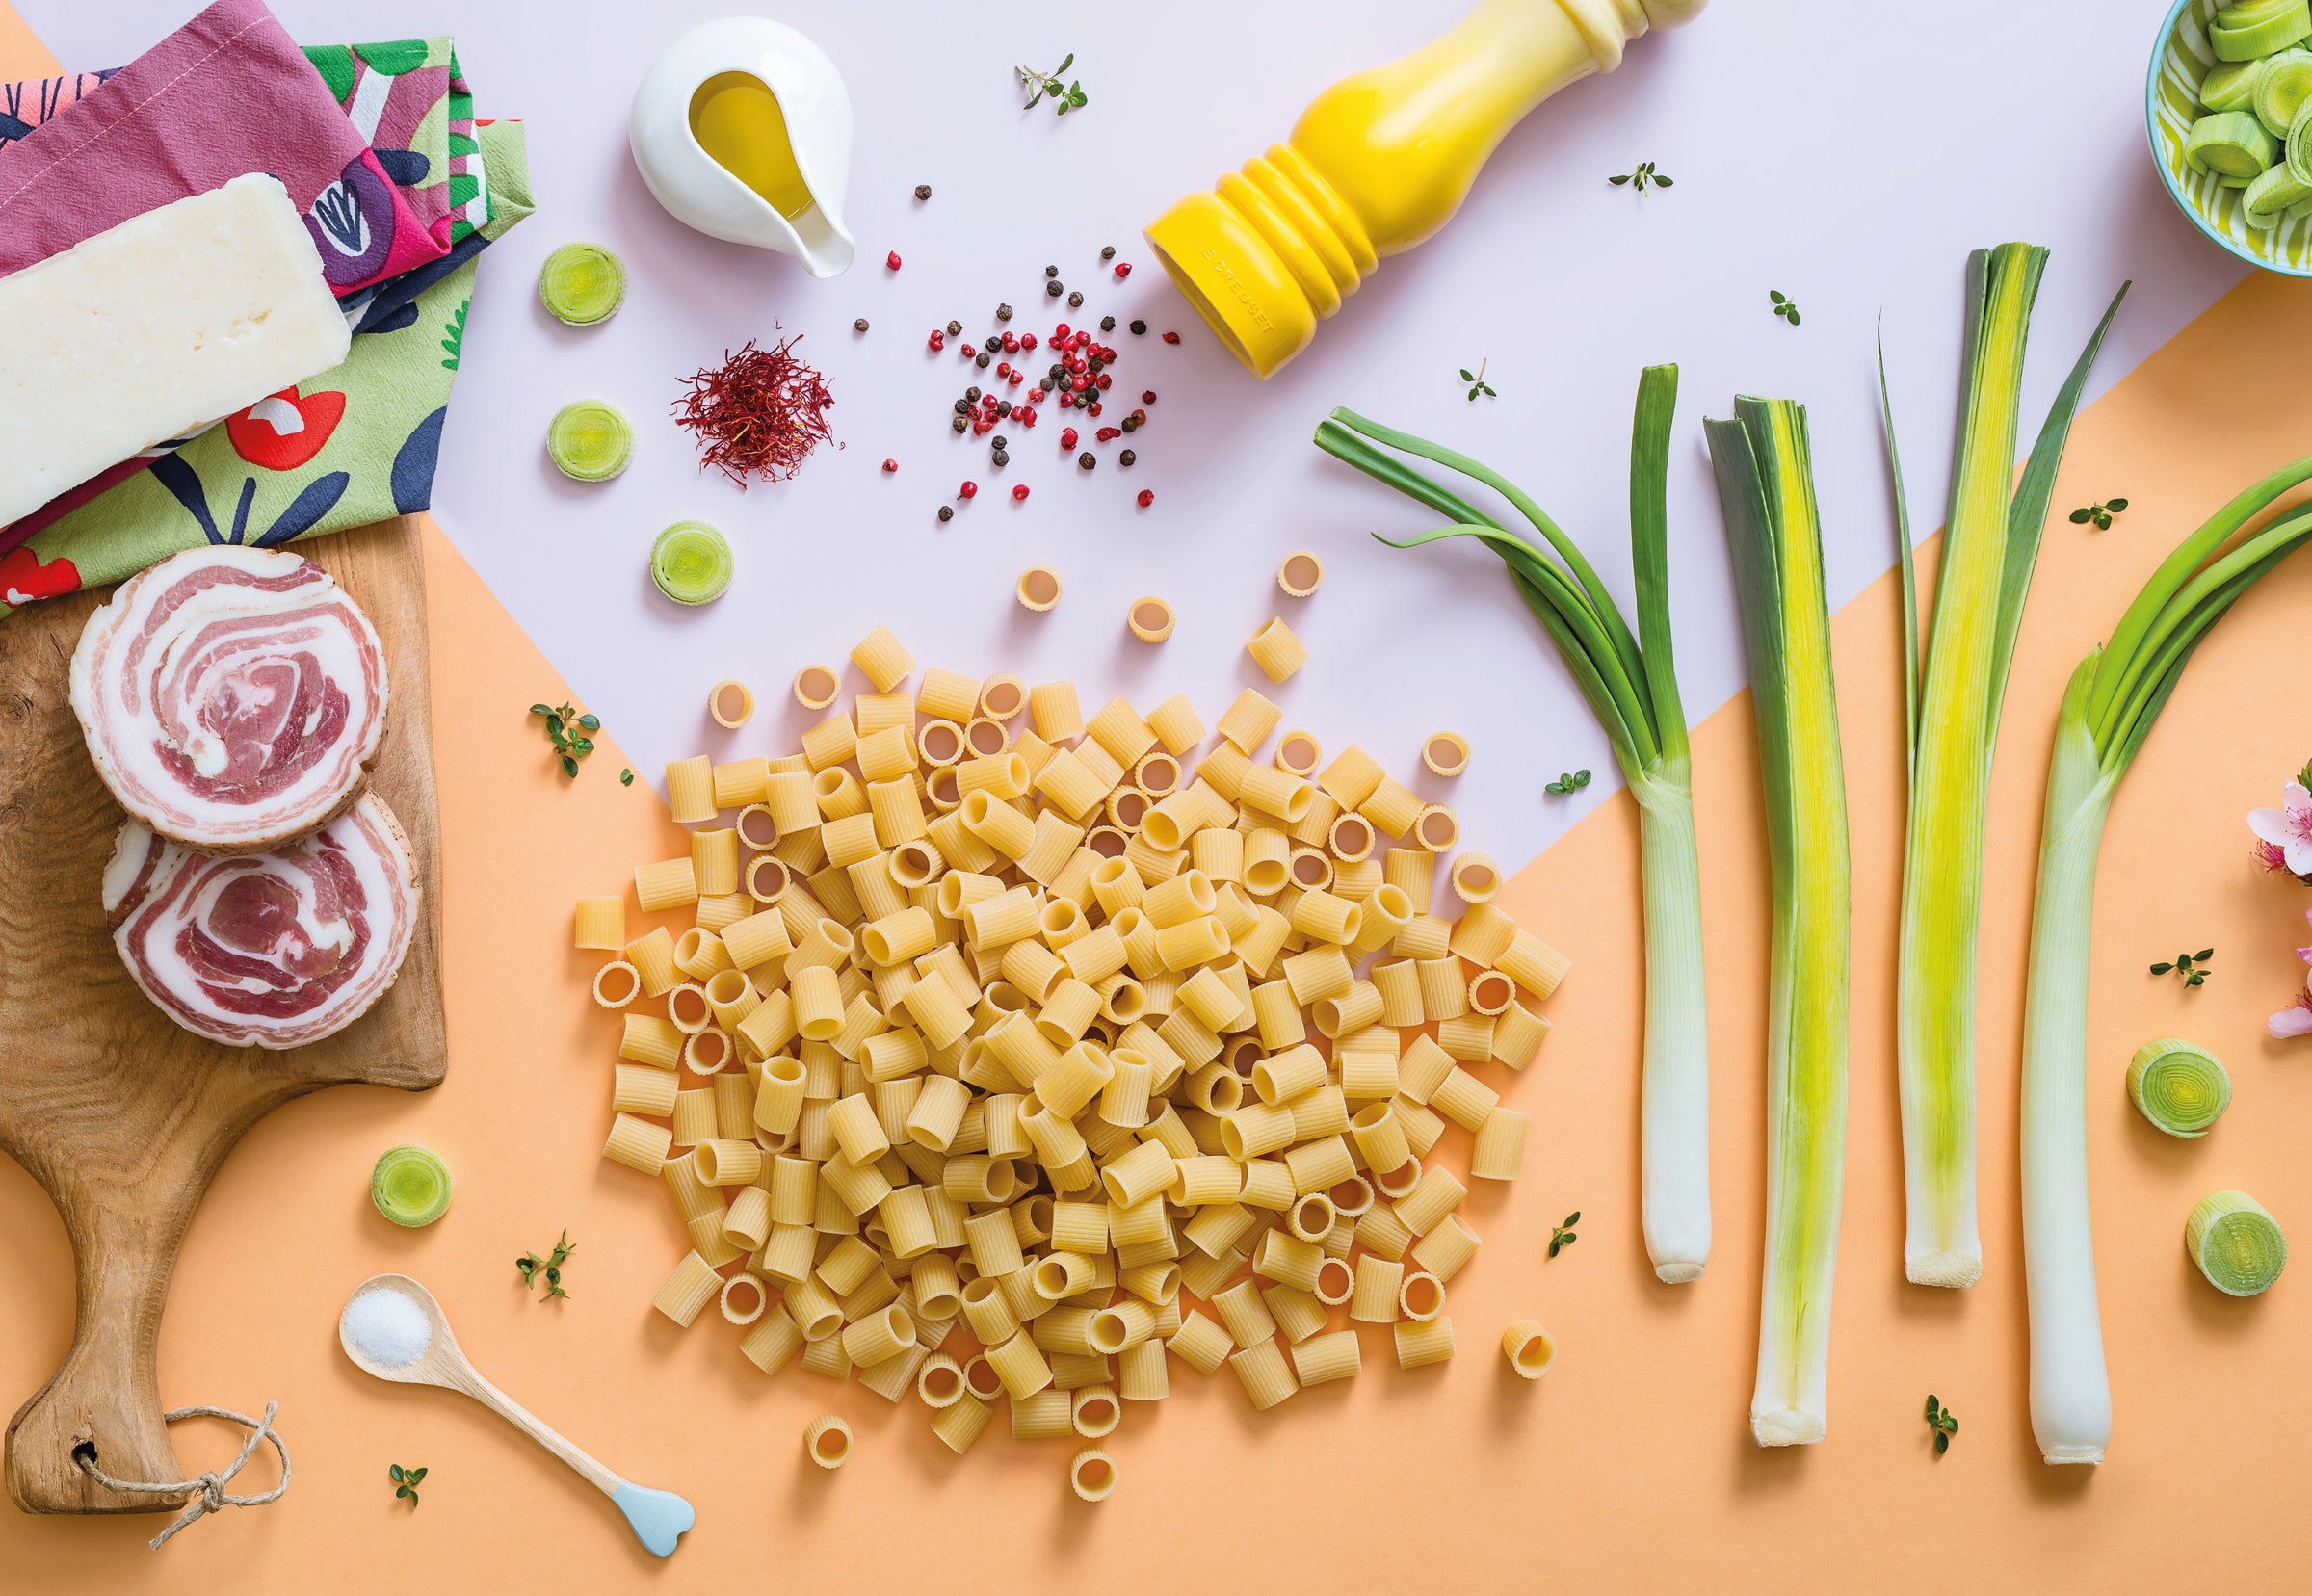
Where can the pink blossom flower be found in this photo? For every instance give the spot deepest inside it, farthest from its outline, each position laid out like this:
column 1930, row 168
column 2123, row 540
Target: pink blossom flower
column 2295, row 1020
column 2288, row 828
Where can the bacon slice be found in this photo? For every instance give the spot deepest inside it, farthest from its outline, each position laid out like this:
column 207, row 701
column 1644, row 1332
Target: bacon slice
column 233, row 697
column 267, row 950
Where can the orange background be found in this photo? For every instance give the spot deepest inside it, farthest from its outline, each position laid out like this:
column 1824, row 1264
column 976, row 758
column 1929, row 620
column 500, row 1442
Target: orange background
column 1629, row 1468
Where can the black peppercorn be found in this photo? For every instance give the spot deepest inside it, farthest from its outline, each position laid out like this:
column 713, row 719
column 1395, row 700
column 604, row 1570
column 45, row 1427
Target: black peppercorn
column 1053, row 290
column 1107, row 324
column 1126, row 457
column 972, row 393
column 1107, row 251
column 962, row 406
column 1051, row 271
column 923, row 191
column 1000, row 442
column 1075, row 300
column 1095, row 366
column 1002, row 312
column 1088, row 460
column 983, row 359
column 998, row 457
column 1002, row 407
column 947, row 512
column 993, row 345
column 859, row 326
column 1131, row 425
column 1139, row 328
column 959, row 423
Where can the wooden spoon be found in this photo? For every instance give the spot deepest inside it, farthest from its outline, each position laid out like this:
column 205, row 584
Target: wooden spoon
column 658, row 1518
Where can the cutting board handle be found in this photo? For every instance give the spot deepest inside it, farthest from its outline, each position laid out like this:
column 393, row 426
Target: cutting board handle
column 106, row 1394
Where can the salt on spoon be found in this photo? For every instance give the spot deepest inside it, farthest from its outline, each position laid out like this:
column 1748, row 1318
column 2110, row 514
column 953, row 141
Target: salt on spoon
column 392, row 1327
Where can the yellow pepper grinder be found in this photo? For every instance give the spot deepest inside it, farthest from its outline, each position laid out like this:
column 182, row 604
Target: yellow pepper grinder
column 1381, row 161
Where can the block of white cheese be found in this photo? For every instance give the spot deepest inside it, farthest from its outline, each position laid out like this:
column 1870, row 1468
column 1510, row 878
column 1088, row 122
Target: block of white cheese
column 155, row 328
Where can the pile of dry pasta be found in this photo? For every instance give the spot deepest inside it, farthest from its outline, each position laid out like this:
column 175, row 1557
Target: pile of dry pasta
column 1035, row 1030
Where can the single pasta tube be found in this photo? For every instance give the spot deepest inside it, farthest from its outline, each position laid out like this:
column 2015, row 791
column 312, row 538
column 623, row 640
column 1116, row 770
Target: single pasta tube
column 816, row 685
column 731, row 703
column 1150, row 618
column 1277, row 650
column 1092, row 1475
column 828, row 1441
column 1530, row 1348
column 1299, row 572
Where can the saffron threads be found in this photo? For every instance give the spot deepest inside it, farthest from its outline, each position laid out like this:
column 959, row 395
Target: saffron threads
column 758, row 415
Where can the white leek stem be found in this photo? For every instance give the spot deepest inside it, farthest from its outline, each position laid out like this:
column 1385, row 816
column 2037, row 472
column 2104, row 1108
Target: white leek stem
column 2070, row 1391
column 1676, row 1113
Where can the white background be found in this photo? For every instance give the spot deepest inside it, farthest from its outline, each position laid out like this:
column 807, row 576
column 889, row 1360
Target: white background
column 1847, row 155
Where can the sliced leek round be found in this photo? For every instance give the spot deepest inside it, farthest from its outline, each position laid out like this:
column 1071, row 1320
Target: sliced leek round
column 2236, row 1243
column 2231, row 145
column 690, row 562
column 2274, row 196
column 2256, row 28
column 2179, row 1088
column 590, row 441
column 2281, row 90
column 2230, row 84
column 2296, row 150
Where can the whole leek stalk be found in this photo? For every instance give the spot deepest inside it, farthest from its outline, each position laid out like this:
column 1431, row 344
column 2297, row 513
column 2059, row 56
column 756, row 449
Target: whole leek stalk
column 1766, row 489
column 1989, row 546
column 1631, row 684
column 2115, row 696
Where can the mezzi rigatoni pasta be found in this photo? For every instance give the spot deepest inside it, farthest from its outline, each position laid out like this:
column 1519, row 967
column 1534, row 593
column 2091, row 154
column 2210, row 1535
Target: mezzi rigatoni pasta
column 1002, row 1061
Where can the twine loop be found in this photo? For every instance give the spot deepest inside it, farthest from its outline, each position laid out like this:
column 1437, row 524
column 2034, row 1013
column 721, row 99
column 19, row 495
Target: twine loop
column 207, row 1490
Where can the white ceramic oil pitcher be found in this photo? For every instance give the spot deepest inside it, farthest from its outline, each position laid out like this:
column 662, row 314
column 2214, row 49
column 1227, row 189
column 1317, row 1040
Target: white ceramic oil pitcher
column 700, row 190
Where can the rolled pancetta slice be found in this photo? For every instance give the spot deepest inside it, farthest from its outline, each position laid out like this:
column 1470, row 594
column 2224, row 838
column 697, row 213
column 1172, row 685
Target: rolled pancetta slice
column 233, row 697
column 267, row 950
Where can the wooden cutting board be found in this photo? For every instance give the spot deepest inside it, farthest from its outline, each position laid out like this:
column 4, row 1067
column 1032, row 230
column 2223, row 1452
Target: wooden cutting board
column 120, row 1116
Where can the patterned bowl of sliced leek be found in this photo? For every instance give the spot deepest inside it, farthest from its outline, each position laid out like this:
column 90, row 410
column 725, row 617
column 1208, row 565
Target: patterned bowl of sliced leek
column 2229, row 110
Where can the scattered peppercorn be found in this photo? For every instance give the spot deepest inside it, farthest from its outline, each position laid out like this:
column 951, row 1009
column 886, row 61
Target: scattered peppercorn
column 923, row 191
column 890, row 465
column 1088, row 460
column 1076, row 299
column 1002, row 312
column 1148, row 497
column 994, row 345
column 1124, row 269
column 892, row 260
column 1051, row 271
column 969, row 490
column 1068, row 437
column 1001, row 442
column 1131, row 424
column 859, row 326
column 1020, row 493
column 1107, row 251
column 1147, row 396
column 1107, row 324
column 1171, row 337
column 1002, row 407
column 999, row 458
column 947, row 512
column 1054, row 289
column 955, row 329
column 983, row 359
column 1139, row 328
column 959, row 423
column 1126, row 457
column 972, row 393
column 1092, row 409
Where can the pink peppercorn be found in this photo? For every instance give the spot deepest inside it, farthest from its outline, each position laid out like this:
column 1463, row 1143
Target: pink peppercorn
column 1105, row 433
column 1123, row 268
column 1027, row 341
column 969, row 490
column 890, row 465
column 1092, row 409
column 1068, row 437
column 1171, row 337
column 1019, row 492
column 1103, row 382
column 1060, row 334
column 1148, row 497
column 892, row 260
column 1147, row 396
